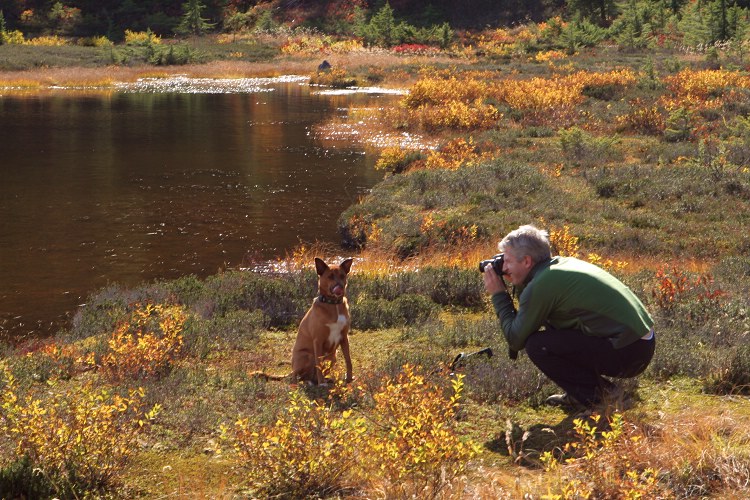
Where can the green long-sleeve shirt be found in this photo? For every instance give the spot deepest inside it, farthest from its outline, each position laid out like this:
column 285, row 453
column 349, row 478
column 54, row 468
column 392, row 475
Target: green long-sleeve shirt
column 566, row 293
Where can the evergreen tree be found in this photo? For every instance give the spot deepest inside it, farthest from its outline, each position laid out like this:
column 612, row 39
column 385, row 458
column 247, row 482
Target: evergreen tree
column 694, row 25
column 597, row 11
column 2, row 28
column 382, row 29
column 192, row 22
column 630, row 30
column 718, row 23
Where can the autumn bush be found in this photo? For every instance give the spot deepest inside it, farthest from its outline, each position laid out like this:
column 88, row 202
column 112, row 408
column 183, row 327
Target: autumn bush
column 604, row 459
column 337, row 78
column 402, row 443
column 78, row 440
column 145, row 345
column 53, row 361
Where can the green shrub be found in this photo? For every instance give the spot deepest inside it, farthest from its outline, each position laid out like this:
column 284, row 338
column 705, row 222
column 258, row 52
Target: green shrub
column 376, row 313
column 502, row 379
column 237, row 329
column 173, row 55
column 734, row 378
column 20, row 479
column 582, row 148
column 102, row 311
column 459, row 331
column 446, row 286
column 679, row 125
column 283, row 301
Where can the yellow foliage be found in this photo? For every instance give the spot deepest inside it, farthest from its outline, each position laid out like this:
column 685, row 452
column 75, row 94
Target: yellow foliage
column 308, row 451
column 607, row 264
column 320, row 44
column 563, row 242
column 547, row 100
column 603, row 463
column 414, row 445
column 141, row 38
column 80, row 439
column 47, row 41
column 456, row 154
column 396, row 159
column 13, row 37
column 146, row 344
column 459, row 115
column 439, row 87
column 550, row 55
column 702, row 84
column 406, row 445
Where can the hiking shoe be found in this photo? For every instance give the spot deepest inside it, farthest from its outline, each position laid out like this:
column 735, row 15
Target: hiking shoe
column 562, row 400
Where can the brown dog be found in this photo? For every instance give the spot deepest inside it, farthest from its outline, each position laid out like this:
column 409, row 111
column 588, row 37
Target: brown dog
column 325, row 326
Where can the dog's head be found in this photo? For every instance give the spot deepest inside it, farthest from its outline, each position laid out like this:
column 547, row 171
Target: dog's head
column 332, row 279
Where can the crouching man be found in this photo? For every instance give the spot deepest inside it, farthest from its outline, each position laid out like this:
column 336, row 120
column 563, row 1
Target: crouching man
column 576, row 321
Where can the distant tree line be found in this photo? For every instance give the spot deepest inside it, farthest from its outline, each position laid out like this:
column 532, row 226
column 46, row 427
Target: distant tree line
column 632, row 23
column 111, row 17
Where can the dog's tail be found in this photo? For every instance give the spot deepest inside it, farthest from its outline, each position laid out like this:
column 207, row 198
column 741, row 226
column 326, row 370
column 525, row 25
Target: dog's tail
column 267, row 377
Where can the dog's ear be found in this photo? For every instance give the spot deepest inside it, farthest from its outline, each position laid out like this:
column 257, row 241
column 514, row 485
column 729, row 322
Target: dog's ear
column 320, row 266
column 346, row 265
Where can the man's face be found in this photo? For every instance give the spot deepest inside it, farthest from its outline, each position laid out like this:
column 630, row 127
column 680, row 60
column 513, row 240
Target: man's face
column 516, row 269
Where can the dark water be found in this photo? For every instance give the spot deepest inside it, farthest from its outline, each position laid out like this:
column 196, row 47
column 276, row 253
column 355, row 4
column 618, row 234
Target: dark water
column 130, row 187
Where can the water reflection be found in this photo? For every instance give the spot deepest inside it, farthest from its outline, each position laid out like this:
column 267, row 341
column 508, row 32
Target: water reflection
column 126, row 187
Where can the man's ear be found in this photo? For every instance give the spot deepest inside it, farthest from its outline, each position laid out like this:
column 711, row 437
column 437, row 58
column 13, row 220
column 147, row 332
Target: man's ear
column 528, row 262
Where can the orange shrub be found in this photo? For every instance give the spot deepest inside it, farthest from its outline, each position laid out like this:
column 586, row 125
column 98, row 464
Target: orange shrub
column 64, row 360
column 702, row 84
column 676, row 287
column 622, row 77
column 458, row 115
column 549, row 100
column 147, row 344
column 456, row 154
column 439, row 88
column 642, row 118
column 541, row 100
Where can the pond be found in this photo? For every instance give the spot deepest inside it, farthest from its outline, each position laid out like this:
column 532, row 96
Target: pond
column 155, row 181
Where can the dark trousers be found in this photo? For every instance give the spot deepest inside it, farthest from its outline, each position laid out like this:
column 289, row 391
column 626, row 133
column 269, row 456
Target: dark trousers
column 576, row 362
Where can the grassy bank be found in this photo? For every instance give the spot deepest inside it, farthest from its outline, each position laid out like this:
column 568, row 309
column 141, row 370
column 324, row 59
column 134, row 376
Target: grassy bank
column 635, row 161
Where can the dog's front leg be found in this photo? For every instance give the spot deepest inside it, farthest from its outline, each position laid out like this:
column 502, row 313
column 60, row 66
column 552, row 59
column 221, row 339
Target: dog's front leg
column 318, row 352
column 347, row 357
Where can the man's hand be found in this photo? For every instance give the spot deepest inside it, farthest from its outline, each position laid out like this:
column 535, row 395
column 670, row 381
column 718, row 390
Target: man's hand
column 492, row 282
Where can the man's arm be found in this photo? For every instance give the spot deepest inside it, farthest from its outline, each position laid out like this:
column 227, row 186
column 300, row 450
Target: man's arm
column 533, row 309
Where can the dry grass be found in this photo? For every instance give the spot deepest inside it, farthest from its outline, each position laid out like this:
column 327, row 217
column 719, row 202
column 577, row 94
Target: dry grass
column 375, row 261
column 71, row 76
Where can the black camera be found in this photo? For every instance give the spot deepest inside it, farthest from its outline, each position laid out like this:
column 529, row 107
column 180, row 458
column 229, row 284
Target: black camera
column 496, row 262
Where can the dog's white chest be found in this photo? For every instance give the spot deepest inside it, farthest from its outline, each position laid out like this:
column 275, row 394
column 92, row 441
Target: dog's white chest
column 334, row 337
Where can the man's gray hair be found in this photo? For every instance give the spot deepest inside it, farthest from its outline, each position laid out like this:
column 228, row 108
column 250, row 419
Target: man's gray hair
column 527, row 240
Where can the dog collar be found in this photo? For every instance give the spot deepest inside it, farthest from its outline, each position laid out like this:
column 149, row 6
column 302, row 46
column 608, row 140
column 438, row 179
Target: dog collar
column 330, row 300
